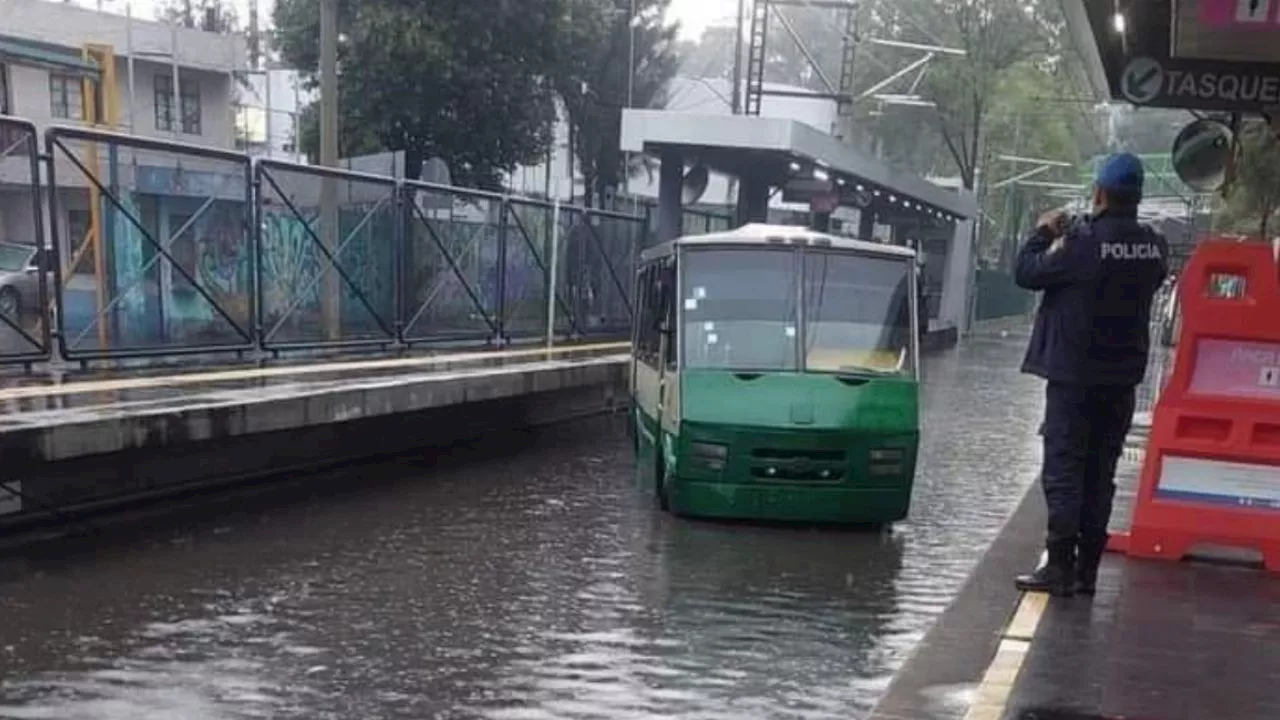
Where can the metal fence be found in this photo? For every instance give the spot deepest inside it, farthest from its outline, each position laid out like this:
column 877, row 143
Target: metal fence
column 155, row 248
column 24, row 281
column 1163, row 344
column 996, row 296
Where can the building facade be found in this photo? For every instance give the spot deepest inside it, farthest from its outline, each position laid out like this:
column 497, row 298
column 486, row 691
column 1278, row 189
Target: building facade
column 117, row 205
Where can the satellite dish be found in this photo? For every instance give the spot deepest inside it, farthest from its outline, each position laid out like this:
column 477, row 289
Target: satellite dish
column 1202, row 155
column 694, row 184
column 436, row 171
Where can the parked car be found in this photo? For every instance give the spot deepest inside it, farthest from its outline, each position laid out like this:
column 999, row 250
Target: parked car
column 20, row 270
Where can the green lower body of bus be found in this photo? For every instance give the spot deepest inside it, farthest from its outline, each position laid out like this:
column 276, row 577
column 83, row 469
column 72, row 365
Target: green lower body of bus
column 786, row 448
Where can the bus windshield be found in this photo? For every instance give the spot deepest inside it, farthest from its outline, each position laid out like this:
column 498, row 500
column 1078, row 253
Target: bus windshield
column 740, row 309
column 857, row 314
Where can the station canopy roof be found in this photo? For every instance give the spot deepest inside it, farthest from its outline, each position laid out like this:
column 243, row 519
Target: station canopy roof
column 792, row 155
column 1210, row 55
column 18, row 51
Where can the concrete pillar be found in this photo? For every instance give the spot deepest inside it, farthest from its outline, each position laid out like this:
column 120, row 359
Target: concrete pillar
column 957, row 285
column 753, row 200
column 670, row 186
column 866, row 224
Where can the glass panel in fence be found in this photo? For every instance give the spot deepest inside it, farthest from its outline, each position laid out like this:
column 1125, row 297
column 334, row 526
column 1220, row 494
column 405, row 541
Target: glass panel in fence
column 25, row 270
column 155, row 246
column 528, row 259
column 450, row 265
column 998, row 296
column 327, row 267
column 598, row 263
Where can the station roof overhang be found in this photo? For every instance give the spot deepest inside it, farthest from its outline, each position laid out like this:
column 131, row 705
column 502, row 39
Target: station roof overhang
column 1179, row 54
column 19, row 51
column 790, row 153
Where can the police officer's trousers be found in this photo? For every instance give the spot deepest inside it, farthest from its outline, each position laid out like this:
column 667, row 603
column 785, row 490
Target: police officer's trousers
column 1084, row 432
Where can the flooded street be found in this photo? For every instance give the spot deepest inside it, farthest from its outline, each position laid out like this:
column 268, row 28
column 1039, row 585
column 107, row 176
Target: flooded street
column 528, row 579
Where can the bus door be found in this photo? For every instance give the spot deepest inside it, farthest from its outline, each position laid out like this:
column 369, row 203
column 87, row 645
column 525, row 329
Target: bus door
column 668, row 377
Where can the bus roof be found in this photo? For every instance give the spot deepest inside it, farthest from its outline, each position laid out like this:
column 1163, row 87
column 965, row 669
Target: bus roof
column 761, row 234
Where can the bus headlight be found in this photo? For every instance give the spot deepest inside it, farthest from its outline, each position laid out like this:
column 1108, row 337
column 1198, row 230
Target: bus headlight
column 711, row 456
column 886, row 461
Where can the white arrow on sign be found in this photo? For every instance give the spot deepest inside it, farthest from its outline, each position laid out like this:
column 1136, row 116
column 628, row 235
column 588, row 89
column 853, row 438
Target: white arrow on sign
column 1142, row 81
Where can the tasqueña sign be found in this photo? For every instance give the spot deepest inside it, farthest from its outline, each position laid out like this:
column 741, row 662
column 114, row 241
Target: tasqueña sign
column 1147, row 82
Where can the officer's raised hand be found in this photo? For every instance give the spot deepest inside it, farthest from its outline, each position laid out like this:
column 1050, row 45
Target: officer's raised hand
column 1053, row 222
column 1043, row 260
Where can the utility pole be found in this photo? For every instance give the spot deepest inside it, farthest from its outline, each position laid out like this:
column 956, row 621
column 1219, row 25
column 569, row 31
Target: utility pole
column 329, row 159
column 737, row 59
column 631, row 93
column 329, row 83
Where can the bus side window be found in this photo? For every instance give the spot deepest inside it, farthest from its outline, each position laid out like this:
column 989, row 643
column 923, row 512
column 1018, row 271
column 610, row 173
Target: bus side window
column 668, row 273
column 642, row 312
column 647, row 350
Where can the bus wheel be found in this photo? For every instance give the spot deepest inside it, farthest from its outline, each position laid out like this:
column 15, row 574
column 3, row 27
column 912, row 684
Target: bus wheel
column 660, row 484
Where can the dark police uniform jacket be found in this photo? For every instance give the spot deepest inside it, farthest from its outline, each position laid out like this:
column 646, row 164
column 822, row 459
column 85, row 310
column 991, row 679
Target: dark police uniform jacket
column 1093, row 325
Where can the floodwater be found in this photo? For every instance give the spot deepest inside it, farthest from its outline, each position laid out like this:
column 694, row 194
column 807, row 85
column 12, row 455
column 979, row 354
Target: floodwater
column 527, row 579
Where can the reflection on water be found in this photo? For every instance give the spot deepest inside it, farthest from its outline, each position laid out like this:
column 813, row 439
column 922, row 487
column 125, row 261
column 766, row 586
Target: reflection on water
column 527, row 580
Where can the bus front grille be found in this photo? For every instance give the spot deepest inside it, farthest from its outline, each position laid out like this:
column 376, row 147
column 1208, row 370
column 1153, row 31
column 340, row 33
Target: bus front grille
column 801, row 466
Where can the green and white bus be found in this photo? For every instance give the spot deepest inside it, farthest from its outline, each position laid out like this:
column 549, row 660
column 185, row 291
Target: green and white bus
column 774, row 376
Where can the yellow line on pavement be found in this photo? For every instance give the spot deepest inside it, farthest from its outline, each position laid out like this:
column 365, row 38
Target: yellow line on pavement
column 90, row 386
column 992, row 695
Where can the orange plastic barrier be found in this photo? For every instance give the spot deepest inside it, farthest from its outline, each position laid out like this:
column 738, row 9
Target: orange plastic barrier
column 1211, row 475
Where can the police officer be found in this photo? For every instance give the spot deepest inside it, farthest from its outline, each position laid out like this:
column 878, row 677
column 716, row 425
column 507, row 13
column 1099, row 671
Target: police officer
column 1099, row 275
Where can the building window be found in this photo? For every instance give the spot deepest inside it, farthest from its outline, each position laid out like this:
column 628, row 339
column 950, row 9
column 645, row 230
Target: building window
column 190, row 91
column 67, row 96
column 4, row 90
column 78, row 223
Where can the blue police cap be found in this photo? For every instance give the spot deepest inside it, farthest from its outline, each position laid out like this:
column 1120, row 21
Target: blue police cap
column 1121, row 173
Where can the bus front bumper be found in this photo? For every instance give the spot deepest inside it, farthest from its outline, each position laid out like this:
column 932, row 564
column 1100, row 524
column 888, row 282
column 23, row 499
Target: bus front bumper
column 789, row 503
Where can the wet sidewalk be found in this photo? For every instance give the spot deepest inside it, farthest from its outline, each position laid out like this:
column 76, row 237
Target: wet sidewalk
column 1160, row 641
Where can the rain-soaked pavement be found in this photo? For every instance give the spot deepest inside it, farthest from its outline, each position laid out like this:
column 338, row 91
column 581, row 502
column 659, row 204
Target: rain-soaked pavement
column 528, row 579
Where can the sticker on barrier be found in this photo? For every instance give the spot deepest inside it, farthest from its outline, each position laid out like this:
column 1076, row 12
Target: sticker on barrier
column 1211, row 473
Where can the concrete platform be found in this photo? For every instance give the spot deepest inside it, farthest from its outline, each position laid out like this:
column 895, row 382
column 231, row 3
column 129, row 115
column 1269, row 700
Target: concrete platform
column 74, row 448
column 1160, row 641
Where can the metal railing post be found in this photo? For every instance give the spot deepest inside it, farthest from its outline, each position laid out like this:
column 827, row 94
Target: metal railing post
column 399, row 268
column 256, row 299
column 504, row 205
column 552, row 273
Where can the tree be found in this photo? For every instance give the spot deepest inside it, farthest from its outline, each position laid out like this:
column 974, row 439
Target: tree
column 470, row 82
column 598, row 77
column 711, row 57
column 996, row 35
column 1254, row 197
column 209, row 15
column 354, row 138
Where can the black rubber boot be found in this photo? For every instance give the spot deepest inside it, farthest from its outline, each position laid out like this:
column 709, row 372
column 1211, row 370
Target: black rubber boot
column 1057, row 577
column 1087, row 567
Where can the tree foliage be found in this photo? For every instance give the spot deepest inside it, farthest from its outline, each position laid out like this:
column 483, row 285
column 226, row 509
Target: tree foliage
column 209, row 15
column 598, row 75
column 1014, row 67
column 1254, row 196
column 469, row 81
